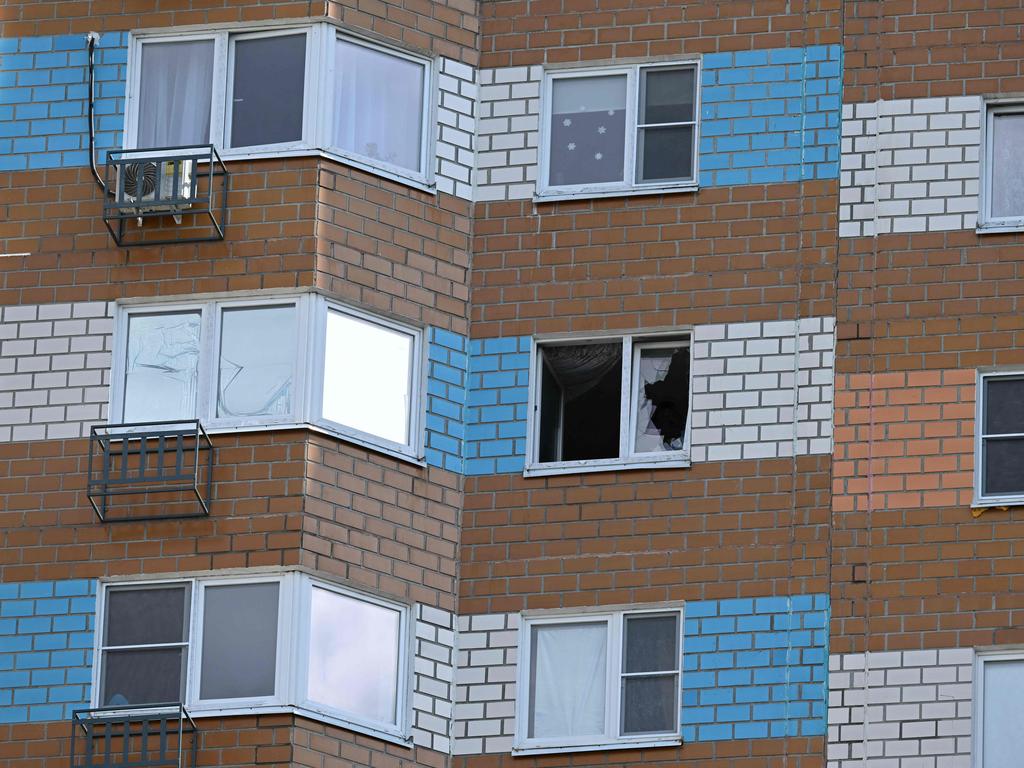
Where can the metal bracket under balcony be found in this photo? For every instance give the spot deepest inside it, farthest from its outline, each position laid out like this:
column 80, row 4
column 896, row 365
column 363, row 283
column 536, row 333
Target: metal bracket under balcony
column 163, row 470
column 185, row 188
column 161, row 736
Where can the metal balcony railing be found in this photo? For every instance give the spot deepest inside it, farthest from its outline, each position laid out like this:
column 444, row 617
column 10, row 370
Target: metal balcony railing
column 146, row 458
column 157, row 736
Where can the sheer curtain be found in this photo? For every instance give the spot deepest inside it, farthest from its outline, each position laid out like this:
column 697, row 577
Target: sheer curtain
column 378, row 105
column 568, row 680
column 175, row 93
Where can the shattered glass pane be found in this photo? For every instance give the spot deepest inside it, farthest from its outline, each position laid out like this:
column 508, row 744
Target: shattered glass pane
column 161, row 369
column 367, row 377
column 257, row 362
column 662, row 399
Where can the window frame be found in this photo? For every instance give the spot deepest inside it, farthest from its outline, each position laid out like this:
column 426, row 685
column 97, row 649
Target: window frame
column 981, row 657
column 293, row 628
column 990, row 108
column 318, row 101
column 980, row 499
column 311, row 315
column 629, row 185
column 628, row 458
column 615, row 617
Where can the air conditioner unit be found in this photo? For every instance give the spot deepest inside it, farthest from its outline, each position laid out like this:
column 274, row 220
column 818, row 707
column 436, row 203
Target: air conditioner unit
column 151, row 186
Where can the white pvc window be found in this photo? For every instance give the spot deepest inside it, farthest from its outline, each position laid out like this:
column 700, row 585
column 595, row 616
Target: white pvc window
column 619, row 129
column 598, row 680
column 292, row 89
column 1002, row 199
column 261, row 643
column 999, row 446
column 247, row 363
column 609, row 402
column 998, row 728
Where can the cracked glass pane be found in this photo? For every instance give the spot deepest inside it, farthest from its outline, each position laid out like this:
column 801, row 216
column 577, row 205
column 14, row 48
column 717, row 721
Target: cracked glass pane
column 662, row 398
column 161, row 367
column 257, row 362
column 367, row 377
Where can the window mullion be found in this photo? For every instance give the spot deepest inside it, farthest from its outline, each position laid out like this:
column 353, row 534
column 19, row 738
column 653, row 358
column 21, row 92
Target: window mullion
column 627, row 399
column 615, row 649
column 632, row 120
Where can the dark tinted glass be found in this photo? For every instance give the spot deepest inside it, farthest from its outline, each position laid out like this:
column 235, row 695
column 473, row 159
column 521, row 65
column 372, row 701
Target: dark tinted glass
column 668, row 96
column 239, row 641
column 151, row 676
column 649, row 704
column 666, row 154
column 1004, row 406
column 651, row 643
column 1004, row 466
column 550, row 414
column 147, row 616
column 269, row 76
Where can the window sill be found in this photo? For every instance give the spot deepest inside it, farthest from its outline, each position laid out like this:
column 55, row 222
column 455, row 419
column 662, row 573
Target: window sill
column 613, row 745
column 604, row 465
column 550, row 196
column 1005, row 501
column 993, row 228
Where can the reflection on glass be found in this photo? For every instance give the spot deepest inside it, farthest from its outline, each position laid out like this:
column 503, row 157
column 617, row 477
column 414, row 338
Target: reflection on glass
column 239, row 658
column 1008, row 165
column 568, row 673
column 385, row 129
column 588, row 130
column 353, row 656
column 269, row 78
column 367, row 377
column 667, row 96
column 161, row 369
column 257, row 362
column 662, row 399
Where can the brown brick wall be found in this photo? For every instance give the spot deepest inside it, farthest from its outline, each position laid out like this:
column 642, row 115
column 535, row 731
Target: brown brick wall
column 522, row 32
column 716, row 530
column 444, row 27
column 721, row 255
column 899, row 49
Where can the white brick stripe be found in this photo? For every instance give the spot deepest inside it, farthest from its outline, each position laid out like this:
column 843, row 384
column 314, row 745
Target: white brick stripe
column 456, row 129
column 485, row 680
column 508, row 130
column 434, row 678
column 54, row 369
column 900, row 709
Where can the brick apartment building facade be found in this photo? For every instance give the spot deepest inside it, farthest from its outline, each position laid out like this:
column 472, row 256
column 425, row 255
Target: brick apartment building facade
column 588, row 383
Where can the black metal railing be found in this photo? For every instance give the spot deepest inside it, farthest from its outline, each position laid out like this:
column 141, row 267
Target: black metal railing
column 157, row 736
column 146, row 458
column 190, row 181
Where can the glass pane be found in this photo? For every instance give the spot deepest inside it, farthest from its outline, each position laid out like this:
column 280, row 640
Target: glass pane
column 149, row 676
column 1003, row 727
column 649, row 705
column 1007, row 165
column 550, row 415
column 379, row 105
column 667, row 95
column 1004, row 466
column 239, row 641
column 652, row 644
column 175, row 90
column 367, row 377
column 353, row 656
column 162, row 366
column 665, row 154
column 147, row 616
column 588, row 130
column 662, row 398
column 1004, row 406
column 568, row 676
column 257, row 362
column 269, row 77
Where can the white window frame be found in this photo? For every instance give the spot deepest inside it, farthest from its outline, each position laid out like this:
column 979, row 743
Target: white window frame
column 630, row 185
column 628, row 458
column 399, row 729
column 615, row 618
column 981, row 657
column 307, row 399
column 293, row 626
column 990, row 109
column 318, row 97
column 980, row 499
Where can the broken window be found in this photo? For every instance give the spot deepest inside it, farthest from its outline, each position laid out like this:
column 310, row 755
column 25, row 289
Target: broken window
column 257, row 362
column 612, row 401
column 161, row 366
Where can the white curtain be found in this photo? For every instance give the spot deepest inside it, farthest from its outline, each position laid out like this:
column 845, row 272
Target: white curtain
column 568, row 680
column 378, row 105
column 175, row 94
